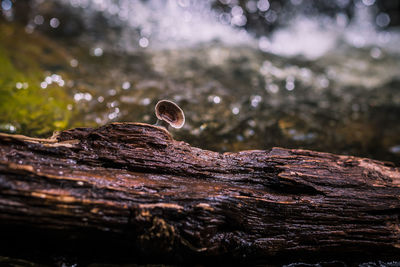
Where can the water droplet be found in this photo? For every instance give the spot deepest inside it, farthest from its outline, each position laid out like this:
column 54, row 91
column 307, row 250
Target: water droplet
column 113, row 104
column 54, row 22
column 29, row 28
column 264, row 44
column 236, row 11
column 368, row 2
column 235, row 110
column 239, row 20
column 323, row 82
column 272, row 88
column 248, row 133
column 88, row 97
column 38, row 20
column 126, row 85
column 98, row 52
column 216, row 99
column 112, row 116
column 251, row 6
column 255, row 100
column 144, row 42
column 271, row 16
column 263, row 5
column 252, row 123
column 145, row 101
column 74, row 63
column 376, row 53
column 225, row 18
column 6, row 5
column 395, row 149
column 382, row 20
column 82, row 96
column 289, row 86
column 112, row 92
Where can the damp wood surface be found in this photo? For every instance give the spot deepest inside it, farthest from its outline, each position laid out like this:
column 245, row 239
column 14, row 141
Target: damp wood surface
column 129, row 192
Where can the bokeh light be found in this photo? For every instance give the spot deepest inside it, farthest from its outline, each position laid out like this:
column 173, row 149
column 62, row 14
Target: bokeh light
column 249, row 74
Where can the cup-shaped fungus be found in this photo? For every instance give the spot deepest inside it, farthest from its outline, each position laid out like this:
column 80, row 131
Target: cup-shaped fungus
column 168, row 113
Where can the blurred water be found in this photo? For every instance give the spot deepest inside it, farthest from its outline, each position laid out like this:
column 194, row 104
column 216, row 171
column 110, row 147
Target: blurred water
column 322, row 81
column 248, row 74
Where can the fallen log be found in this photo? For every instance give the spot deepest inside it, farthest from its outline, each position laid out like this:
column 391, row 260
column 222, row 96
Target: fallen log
column 129, row 192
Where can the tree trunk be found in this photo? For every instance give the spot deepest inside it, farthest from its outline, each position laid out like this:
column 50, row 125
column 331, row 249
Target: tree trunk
column 128, row 192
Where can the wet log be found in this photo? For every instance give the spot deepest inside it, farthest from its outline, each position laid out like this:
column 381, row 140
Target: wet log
column 129, row 192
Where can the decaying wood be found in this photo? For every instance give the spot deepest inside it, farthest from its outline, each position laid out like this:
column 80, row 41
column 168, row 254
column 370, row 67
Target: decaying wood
column 130, row 191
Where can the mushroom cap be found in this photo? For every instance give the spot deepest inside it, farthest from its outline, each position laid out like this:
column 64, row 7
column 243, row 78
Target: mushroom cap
column 170, row 112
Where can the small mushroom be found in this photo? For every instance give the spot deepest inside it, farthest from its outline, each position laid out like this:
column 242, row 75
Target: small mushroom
column 168, row 113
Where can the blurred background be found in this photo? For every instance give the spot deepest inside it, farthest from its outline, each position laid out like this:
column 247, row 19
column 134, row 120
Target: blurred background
column 321, row 75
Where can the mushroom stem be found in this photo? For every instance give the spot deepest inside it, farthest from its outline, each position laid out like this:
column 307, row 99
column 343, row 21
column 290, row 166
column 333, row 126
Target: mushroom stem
column 162, row 123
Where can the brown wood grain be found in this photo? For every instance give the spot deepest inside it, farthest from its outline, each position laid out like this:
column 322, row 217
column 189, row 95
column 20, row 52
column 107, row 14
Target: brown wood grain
column 130, row 190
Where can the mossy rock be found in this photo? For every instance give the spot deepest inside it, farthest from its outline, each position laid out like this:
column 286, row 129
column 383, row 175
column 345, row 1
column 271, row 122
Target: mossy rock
column 24, row 60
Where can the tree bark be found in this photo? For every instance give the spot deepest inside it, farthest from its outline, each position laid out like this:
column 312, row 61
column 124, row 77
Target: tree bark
column 129, row 192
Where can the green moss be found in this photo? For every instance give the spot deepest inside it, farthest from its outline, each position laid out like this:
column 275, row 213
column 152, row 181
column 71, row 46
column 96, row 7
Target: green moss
column 24, row 106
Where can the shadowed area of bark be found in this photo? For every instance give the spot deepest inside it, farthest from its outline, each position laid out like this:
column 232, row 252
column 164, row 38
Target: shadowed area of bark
column 129, row 192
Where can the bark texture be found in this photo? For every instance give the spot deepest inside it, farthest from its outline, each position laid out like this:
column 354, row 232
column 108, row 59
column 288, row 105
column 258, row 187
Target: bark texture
column 129, row 192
